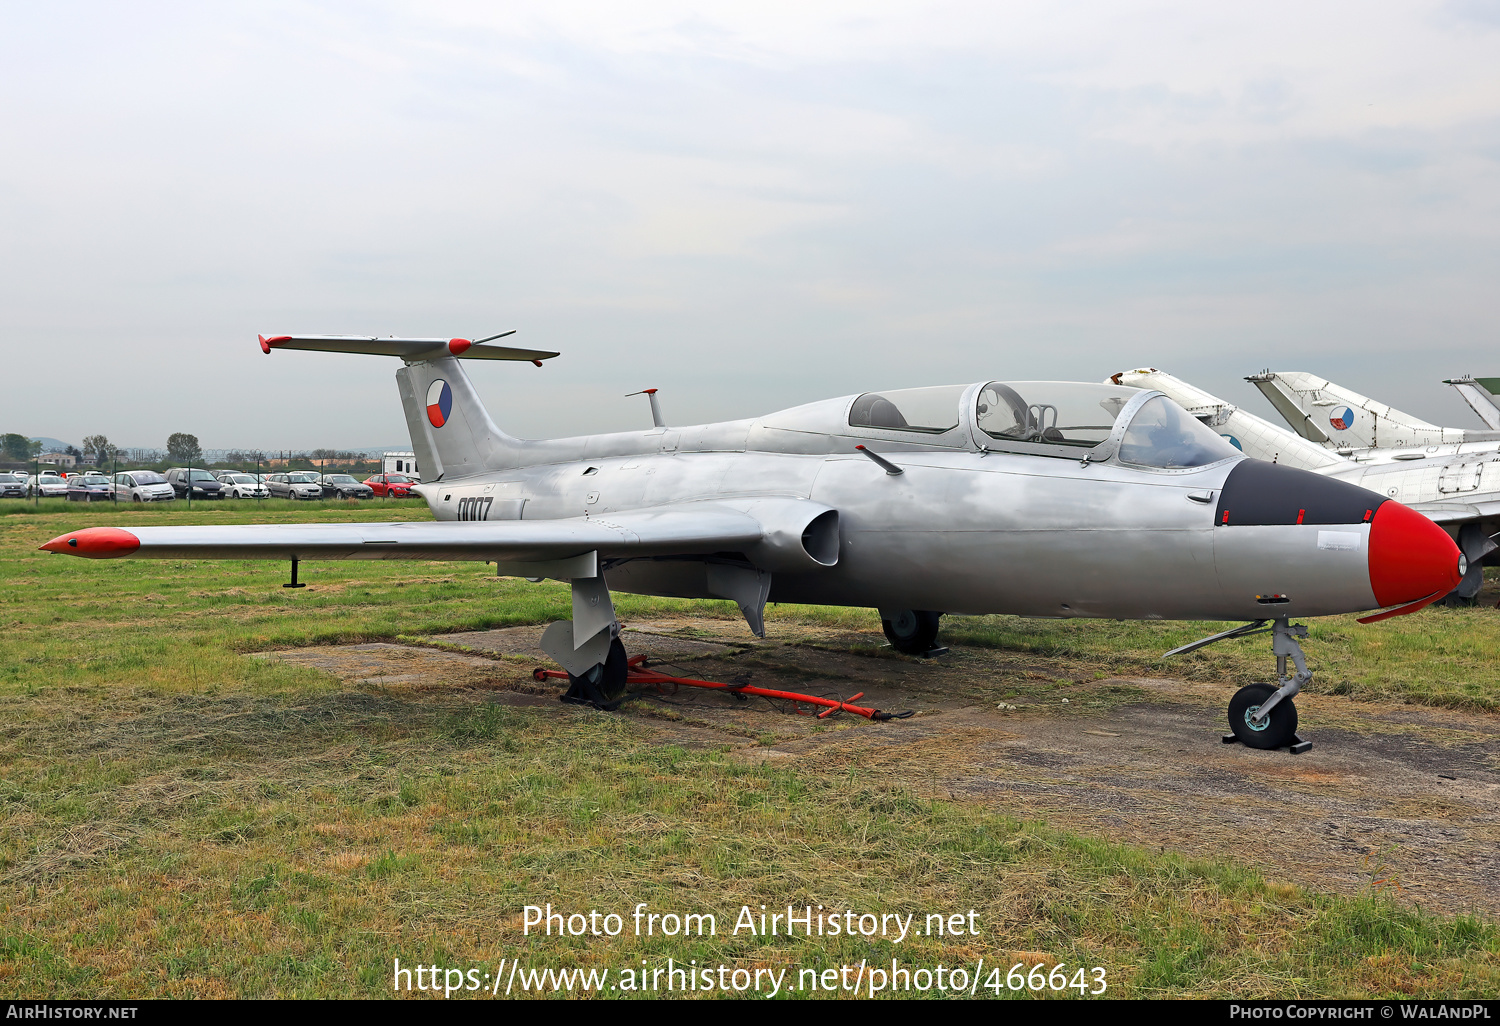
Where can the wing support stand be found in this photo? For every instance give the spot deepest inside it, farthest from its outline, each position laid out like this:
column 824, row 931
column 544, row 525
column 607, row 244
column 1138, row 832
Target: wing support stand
column 293, row 583
column 1261, row 716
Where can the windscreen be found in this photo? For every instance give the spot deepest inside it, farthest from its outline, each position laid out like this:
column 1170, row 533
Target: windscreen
column 147, row 478
column 1163, row 434
column 1050, row 412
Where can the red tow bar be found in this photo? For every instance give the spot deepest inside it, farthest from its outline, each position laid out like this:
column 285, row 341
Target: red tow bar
column 639, row 674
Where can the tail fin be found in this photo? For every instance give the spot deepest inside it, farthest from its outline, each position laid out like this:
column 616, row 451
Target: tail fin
column 1247, row 432
column 1481, row 395
column 1340, row 418
column 452, row 434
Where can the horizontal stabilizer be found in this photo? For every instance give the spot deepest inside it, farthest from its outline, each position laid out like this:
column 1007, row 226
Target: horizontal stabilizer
column 409, row 349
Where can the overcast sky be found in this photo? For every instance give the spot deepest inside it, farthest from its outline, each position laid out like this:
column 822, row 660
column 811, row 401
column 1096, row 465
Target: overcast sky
column 748, row 206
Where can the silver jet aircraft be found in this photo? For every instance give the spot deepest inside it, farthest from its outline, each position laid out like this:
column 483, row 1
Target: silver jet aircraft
column 1037, row 498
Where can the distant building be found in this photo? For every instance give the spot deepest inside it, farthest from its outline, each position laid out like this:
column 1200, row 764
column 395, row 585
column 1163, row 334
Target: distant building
column 58, row 459
column 400, row 463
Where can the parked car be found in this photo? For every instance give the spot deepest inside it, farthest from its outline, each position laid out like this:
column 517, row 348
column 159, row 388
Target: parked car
column 49, row 484
column 12, row 486
column 204, row 485
column 300, row 484
column 342, row 486
column 88, row 487
column 393, row 486
column 243, row 486
column 142, row 486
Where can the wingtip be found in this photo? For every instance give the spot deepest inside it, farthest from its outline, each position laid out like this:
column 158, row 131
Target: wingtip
column 266, row 344
column 94, row 543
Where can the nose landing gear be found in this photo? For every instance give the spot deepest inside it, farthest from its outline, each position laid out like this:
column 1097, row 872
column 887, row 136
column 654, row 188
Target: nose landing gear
column 1260, row 715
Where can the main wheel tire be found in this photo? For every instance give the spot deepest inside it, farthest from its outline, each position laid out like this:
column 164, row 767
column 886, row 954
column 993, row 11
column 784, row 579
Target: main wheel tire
column 1276, row 731
column 604, row 685
column 913, row 631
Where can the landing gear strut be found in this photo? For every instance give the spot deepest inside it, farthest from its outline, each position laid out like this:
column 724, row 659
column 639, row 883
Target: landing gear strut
column 1260, row 715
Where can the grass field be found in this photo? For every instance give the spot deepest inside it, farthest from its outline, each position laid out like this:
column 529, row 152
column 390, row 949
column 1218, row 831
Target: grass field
column 180, row 818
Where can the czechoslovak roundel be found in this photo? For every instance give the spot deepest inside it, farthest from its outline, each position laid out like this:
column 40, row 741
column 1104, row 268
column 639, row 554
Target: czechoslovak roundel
column 439, row 402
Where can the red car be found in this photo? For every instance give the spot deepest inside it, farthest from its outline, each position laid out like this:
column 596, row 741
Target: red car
column 395, row 486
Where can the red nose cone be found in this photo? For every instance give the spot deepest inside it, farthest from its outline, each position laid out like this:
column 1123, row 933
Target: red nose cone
column 95, row 543
column 1410, row 556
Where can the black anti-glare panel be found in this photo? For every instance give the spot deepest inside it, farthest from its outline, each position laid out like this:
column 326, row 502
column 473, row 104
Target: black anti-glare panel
column 1261, row 493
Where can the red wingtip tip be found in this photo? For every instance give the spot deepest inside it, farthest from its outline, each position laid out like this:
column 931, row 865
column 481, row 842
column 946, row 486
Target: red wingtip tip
column 458, row 345
column 275, row 340
column 95, row 543
column 537, row 362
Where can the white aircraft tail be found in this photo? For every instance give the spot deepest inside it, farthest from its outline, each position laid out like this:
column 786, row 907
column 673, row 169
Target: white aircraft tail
column 452, row 434
column 1247, row 432
column 1483, row 397
column 1341, row 419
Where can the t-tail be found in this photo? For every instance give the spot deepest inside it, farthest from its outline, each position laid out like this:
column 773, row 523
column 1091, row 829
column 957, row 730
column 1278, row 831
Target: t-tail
column 452, row 434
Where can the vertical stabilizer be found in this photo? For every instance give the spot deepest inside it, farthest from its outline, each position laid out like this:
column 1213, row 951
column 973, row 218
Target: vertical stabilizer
column 1341, row 419
column 1481, row 395
column 451, row 432
column 1245, row 431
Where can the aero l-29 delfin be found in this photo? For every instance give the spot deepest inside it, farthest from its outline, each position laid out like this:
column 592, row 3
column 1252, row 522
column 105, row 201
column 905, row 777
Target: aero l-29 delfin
column 1037, row 498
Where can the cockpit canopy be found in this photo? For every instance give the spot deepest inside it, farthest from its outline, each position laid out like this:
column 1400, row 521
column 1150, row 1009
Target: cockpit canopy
column 930, row 411
column 1051, row 418
column 1055, row 412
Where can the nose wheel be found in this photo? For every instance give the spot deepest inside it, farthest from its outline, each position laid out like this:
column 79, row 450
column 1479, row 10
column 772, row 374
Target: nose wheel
column 1263, row 715
column 1277, row 729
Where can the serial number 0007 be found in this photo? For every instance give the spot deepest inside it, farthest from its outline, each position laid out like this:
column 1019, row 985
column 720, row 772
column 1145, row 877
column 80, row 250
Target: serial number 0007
column 1085, row 981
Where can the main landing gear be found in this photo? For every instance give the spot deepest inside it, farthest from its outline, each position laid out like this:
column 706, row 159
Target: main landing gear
column 1263, row 715
column 912, row 631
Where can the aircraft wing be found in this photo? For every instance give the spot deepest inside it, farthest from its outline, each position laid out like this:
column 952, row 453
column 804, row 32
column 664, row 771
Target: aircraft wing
column 684, row 530
column 1458, row 512
column 406, row 348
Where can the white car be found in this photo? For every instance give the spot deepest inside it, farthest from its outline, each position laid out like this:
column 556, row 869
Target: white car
column 297, row 485
column 142, row 486
column 244, row 486
column 49, row 485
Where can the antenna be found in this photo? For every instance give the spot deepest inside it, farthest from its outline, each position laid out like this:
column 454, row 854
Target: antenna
column 650, row 393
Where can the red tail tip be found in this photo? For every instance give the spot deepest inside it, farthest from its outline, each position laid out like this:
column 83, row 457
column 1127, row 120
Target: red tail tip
column 95, row 543
column 458, row 345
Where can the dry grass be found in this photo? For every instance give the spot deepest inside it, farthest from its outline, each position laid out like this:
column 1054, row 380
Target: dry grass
column 180, row 819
